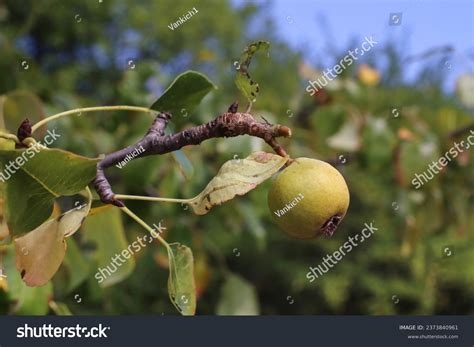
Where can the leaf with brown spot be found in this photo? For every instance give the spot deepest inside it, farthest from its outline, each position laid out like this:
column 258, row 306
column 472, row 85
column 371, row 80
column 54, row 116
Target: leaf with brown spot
column 40, row 252
column 237, row 177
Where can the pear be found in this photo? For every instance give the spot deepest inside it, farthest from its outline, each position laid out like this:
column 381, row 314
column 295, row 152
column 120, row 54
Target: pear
column 308, row 198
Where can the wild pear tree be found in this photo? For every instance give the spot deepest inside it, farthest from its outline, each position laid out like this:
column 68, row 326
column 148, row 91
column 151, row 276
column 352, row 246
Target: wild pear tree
column 43, row 175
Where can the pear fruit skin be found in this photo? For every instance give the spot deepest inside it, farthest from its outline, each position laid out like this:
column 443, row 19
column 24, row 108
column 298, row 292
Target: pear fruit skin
column 308, row 199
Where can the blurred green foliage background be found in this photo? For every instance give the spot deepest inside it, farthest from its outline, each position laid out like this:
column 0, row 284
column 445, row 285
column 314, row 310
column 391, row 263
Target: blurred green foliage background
column 378, row 131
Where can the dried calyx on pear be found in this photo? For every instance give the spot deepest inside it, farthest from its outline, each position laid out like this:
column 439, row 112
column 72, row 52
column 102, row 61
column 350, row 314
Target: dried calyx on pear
column 308, row 198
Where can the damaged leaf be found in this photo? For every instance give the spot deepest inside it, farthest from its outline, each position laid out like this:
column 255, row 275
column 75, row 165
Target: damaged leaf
column 243, row 81
column 40, row 252
column 237, row 177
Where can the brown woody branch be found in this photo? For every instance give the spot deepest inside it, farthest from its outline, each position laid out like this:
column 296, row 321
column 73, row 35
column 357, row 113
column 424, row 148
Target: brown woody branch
column 229, row 124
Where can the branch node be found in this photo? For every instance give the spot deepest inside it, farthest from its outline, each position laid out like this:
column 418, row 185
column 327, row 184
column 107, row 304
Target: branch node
column 229, row 124
column 159, row 124
column 234, row 107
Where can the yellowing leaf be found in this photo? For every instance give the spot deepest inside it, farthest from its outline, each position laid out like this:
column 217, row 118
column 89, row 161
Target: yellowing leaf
column 237, row 177
column 25, row 300
column 72, row 220
column 40, row 252
column 181, row 283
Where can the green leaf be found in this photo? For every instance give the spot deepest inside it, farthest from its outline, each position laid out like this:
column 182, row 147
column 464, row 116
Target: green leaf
column 243, row 81
column 75, row 266
column 237, row 177
column 109, row 242
column 181, row 283
column 238, row 297
column 40, row 252
column 184, row 93
column 180, row 99
column 44, row 175
column 34, row 301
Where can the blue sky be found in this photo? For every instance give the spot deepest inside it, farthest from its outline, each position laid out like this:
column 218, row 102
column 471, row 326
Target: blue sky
column 310, row 25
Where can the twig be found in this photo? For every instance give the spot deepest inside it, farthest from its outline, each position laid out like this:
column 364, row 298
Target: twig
column 91, row 109
column 229, row 124
column 146, row 226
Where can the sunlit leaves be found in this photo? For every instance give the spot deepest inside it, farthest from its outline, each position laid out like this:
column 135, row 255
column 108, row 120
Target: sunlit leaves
column 184, row 93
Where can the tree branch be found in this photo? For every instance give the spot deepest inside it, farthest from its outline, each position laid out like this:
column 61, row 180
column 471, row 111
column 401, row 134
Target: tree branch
column 229, row 124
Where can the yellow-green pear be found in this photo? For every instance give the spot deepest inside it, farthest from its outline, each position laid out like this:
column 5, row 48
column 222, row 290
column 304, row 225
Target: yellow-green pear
column 308, row 198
